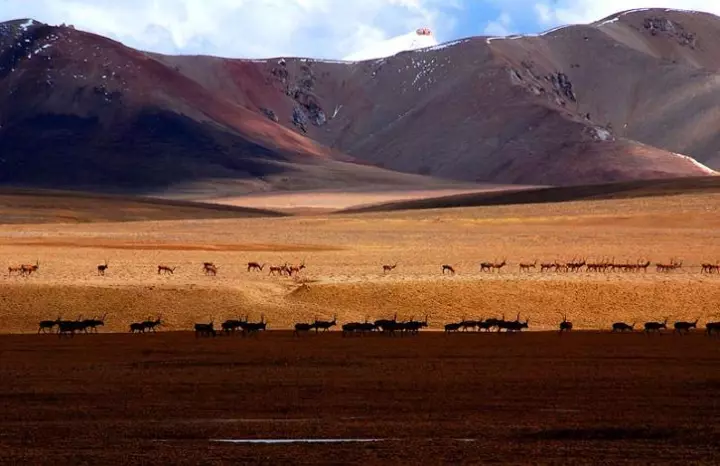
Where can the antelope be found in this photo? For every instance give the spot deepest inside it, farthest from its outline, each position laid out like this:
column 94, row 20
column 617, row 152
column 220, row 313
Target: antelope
column 526, row 266
column 623, row 327
column 255, row 266
column 468, row 324
column 28, row 269
column 711, row 327
column 138, row 327
column 166, row 270
column 210, row 269
column 452, row 327
column 414, row 326
column 93, row 324
column 69, row 327
column 681, row 326
column 486, row 266
column 389, row 268
column 655, row 326
column 16, row 269
column 255, row 327
column 513, row 325
column 46, row 325
column 324, row 324
column 448, row 268
column 103, row 267
column 306, row 327
column 487, row 325
column 358, row 327
column 565, row 325
column 576, row 265
column 383, row 323
column 546, row 266
column 151, row 324
column 277, row 269
column 231, row 325
column 707, row 268
column 291, row 269
column 498, row 266
column 207, row 330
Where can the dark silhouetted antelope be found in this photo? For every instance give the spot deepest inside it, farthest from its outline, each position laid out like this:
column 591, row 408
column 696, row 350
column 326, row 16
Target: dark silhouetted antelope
column 48, row 325
column 28, row 269
column 166, row 269
column 324, row 325
column 255, row 266
column 205, row 330
column 681, row 326
column 210, row 269
column 93, row 324
column 486, row 266
column 623, row 327
column 389, row 268
column 452, row 327
column 253, row 328
column 565, row 325
column 302, row 327
column 448, row 268
column 497, row 266
column 655, row 326
column 103, row 267
column 712, row 327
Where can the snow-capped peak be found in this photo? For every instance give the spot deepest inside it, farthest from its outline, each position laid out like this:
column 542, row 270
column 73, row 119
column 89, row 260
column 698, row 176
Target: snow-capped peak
column 418, row 39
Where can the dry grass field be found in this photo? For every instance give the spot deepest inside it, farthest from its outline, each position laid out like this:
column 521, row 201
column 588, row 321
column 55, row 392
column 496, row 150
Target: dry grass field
column 585, row 397
column 344, row 255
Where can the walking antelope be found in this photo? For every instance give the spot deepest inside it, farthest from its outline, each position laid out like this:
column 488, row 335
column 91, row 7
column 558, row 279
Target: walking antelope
column 681, row 326
column 448, row 268
column 279, row 269
column 255, row 266
column 166, row 269
column 206, row 330
column 623, row 327
column 526, row 266
column 152, row 324
column 413, row 326
column 513, row 325
column 231, row 325
column 358, row 327
column 28, row 269
column 565, row 325
column 711, row 327
column 103, row 267
column 210, row 269
column 304, row 327
column 294, row 269
column 69, row 327
column 452, row 327
column 466, row 324
column 47, row 325
column 389, row 268
column 15, row 269
column 255, row 327
column 93, row 324
column 547, row 266
column 324, row 324
column 499, row 265
column 655, row 326
column 486, row 266
column 138, row 327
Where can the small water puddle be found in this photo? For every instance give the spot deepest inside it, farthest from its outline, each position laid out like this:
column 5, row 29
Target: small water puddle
column 276, row 441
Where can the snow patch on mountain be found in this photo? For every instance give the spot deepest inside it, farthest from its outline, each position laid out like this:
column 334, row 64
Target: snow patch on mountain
column 414, row 40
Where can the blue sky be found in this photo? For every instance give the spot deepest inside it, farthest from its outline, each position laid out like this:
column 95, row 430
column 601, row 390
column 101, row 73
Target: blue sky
column 314, row 28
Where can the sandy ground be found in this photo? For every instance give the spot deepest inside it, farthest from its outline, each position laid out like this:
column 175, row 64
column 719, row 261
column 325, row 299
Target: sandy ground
column 538, row 398
column 344, row 255
column 318, row 202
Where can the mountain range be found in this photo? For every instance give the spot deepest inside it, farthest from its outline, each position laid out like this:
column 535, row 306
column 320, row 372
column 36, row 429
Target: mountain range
column 633, row 96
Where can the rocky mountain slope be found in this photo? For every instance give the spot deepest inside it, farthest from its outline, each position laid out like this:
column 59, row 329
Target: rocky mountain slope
column 617, row 100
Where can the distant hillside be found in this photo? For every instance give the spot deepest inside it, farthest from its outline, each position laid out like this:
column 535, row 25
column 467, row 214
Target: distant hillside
column 630, row 97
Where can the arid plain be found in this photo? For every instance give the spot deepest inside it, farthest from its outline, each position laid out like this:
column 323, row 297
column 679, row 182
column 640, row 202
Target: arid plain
column 586, row 397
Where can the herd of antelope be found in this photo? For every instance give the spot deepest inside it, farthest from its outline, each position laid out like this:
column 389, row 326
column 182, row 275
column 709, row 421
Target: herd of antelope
column 574, row 265
column 390, row 327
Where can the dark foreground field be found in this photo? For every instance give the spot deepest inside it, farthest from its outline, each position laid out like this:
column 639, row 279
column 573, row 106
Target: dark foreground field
column 530, row 398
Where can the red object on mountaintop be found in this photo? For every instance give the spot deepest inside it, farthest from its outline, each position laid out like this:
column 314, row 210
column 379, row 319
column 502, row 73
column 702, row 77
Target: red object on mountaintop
column 423, row 32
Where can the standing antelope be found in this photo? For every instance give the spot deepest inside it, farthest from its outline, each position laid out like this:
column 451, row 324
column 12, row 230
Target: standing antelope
column 251, row 328
column 152, row 324
column 324, row 324
column 28, row 269
column 389, row 268
column 279, row 269
column 711, row 327
column 305, row 327
column 499, row 265
column 526, row 266
column 15, row 269
column 655, row 326
column 210, row 269
column 47, row 325
column 623, row 327
column 255, row 266
column 486, row 266
column 103, row 267
column 166, row 269
column 448, row 268
column 681, row 326
column 565, row 325
column 513, row 325
column 207, row 330
column 93, row 324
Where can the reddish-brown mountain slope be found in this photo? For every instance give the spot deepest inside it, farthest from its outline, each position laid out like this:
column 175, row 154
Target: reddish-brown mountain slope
column 612, row 101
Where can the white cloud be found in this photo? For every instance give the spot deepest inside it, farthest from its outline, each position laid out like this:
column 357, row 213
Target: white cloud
column 242, row 28
column 502, row 26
